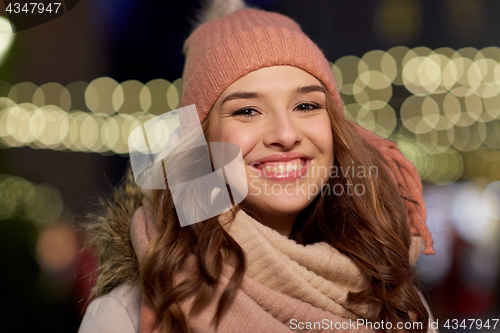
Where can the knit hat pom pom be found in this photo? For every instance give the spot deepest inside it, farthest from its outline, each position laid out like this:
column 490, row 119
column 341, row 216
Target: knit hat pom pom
column 215, row 9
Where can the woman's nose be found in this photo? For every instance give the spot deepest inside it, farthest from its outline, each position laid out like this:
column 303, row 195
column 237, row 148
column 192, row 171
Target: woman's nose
column 283, row 131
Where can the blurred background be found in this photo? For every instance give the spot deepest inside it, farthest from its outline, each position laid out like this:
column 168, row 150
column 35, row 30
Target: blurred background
column 424, row 73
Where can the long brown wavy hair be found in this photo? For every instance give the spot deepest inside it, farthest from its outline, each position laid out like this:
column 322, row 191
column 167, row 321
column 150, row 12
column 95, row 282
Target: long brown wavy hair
column 371, row 229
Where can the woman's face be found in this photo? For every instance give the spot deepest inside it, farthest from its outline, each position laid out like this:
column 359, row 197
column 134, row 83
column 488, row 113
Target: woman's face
column 277, row 116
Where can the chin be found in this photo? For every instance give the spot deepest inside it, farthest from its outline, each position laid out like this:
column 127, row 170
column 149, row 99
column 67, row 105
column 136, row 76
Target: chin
column 280, row 205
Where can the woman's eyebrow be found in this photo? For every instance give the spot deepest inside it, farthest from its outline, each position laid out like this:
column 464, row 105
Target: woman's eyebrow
column 238, row 95
column 308, row 89
column 248, row 95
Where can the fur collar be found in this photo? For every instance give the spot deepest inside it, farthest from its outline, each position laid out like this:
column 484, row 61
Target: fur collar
column 110, row 235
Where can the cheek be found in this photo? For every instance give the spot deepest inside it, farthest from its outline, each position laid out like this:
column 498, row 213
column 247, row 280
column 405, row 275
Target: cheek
column 243, row 136
column 320, row 132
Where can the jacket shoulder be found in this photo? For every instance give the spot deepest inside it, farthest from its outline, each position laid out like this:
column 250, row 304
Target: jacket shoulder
column 116, row 312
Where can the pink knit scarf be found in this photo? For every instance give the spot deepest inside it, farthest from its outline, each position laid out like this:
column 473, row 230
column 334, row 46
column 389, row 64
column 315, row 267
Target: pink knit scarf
column 285, row 283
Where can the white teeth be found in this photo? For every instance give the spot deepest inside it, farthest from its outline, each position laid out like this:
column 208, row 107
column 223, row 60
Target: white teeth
column 284, row 167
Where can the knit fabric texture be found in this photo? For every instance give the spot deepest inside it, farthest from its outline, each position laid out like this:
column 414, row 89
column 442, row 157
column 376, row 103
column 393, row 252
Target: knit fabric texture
column 221, row 51
column 283, row 280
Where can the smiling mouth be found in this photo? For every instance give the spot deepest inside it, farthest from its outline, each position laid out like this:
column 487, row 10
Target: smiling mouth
column 288, row 170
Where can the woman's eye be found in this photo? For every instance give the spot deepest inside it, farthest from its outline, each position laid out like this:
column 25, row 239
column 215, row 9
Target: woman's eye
column 307, row 106
column 247, row 113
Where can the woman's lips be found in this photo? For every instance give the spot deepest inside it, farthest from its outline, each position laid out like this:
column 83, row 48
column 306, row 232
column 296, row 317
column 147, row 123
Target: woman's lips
column 283, row 170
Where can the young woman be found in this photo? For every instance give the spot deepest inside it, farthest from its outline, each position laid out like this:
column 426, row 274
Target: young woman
column 327, row 235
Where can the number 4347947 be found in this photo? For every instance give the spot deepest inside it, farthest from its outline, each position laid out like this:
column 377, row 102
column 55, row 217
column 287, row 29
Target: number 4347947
column 32, row 8
column 471, row 324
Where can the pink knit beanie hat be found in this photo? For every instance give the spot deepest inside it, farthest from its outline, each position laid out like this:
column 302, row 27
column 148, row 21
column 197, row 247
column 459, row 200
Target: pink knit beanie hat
column 221, row 51
column 230, row 45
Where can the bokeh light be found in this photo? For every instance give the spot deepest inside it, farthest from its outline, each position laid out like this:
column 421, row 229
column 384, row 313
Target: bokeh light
column 471, row 215
column 452, row 110
column 22, row 92
column 6, row 37
column 40, row 203
column 56, row 247
column 43, row 203
column 99, row 95
column 52, row 94
column 77, row 93
column 157, row 103
column 127, row 95
column 174, row 94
